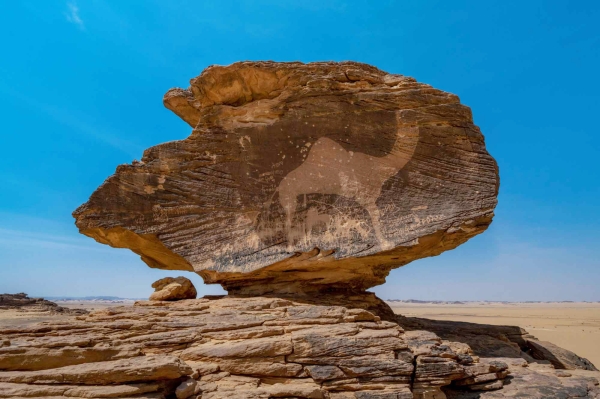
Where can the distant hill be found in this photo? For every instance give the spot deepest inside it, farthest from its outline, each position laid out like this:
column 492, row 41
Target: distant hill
column 90, row 298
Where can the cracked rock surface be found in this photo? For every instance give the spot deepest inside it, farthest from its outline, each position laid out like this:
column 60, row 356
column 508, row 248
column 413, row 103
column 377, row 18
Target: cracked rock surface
column 260, row 348
column 301, row 178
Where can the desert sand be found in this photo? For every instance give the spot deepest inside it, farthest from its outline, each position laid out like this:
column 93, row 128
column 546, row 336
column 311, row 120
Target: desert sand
column 573, row 325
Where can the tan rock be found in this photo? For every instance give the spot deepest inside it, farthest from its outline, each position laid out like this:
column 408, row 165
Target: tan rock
column 230, row 352
column 10, row 390
column 559, row 357
column 258, row 347
column 143, row 368
column 173, row 289
column 16, row 358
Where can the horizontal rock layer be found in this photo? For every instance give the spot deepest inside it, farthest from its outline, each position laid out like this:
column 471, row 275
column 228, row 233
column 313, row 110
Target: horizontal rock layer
column 301, row 177
column 259, row 348
column 21, row 302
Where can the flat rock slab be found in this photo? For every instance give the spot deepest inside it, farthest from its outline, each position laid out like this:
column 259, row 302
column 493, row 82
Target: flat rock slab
column 260, row 348
column 301, row 177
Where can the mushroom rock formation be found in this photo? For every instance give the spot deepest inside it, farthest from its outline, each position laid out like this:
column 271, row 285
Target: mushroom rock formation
column 300, row 178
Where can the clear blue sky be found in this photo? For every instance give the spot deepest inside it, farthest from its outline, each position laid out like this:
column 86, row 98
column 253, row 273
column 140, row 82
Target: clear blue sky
column 81, row 86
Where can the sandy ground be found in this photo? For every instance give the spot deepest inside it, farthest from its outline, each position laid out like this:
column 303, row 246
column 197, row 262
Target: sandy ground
column 573, row 326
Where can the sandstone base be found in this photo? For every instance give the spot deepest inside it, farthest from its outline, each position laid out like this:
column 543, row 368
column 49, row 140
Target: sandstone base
column 261, row 348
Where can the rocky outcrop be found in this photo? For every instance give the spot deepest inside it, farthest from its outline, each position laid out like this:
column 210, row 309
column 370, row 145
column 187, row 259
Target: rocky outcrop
column 559, row 357
column 173, row 289
column 537, row 381
column 21, row 302
column 236, row 347
column 300, row 178
column 500, row 341
column 259, row 348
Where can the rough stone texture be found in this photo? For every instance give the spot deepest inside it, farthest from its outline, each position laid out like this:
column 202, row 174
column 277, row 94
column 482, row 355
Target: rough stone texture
column 485, row 340
column 559, row 357
column 301, row 177
column 261, row 348
column 23, row 303
column 537, row 381
column 173, row 289
column 500, row 341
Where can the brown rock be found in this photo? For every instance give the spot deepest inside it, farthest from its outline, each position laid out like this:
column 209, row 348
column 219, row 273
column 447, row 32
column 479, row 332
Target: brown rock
column 301, row 177
column 559, row 357
column 173, row 289
column 186, row 389
column 31, row 359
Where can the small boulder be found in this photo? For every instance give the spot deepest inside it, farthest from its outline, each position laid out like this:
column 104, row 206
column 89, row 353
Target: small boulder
column 173, row 289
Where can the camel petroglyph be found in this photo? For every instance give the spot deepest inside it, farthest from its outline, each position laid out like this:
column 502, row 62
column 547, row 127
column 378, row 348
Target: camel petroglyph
column 331, row 169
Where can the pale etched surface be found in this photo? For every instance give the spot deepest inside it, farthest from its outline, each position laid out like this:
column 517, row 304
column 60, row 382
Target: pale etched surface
column 333, row 173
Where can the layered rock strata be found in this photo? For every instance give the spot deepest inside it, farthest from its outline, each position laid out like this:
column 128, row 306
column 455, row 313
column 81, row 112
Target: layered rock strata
column 234, row 348
column 258, row 348
column 301, row 178
column 500, row 341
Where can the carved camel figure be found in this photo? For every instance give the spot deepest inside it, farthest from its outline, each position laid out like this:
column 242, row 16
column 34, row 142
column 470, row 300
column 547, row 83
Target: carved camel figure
column 331, row 169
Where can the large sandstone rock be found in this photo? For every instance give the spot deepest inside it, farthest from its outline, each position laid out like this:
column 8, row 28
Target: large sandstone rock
column 301, row 177
column 261, row 348
column 173, row 289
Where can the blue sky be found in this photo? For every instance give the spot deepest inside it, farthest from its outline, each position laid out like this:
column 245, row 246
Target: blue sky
column 81, row 91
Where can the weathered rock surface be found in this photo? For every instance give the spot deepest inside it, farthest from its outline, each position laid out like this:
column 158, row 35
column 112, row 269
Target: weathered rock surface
column 261, row 348
column 559, row 357
column 500, row 341
column 537, row 381
column 301, row 177
column 23, row 303
column 173, row 289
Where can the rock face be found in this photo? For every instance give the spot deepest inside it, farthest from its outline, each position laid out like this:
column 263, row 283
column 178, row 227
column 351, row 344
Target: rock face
column 261, row 348
column 559, row 357
column 299, row 178
column 173, row 289
column 500, row 341
column 23, row 303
